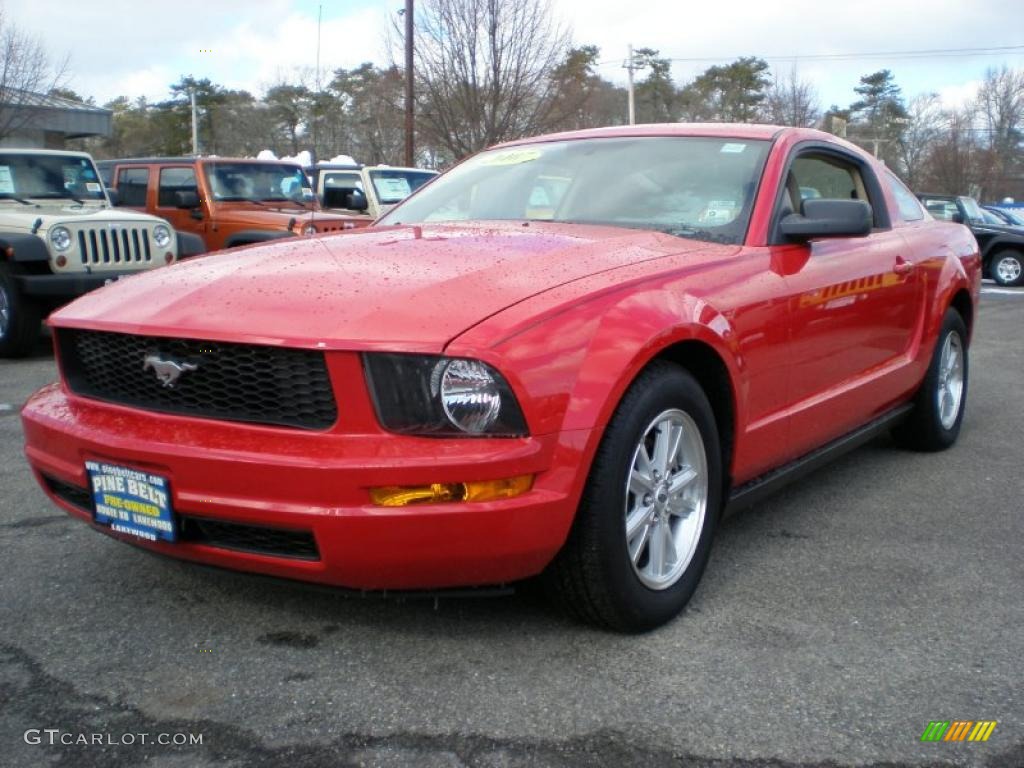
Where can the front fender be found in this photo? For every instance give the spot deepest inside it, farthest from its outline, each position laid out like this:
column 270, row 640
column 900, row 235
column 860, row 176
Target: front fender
column 571, row 370
column 245, row 237
column 26, row 247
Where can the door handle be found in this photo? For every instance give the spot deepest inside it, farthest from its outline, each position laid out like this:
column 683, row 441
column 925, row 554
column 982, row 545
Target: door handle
column 902, row 266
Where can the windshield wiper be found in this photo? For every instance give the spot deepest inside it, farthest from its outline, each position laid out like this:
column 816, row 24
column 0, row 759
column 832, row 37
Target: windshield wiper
column 698, row 234
column 11, row 196
column 284, row 200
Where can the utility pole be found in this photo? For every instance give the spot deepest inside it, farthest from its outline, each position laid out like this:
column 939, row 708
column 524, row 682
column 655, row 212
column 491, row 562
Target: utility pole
column 410, row 140
column 316, row 99
column 629, row 69
column 195, row 123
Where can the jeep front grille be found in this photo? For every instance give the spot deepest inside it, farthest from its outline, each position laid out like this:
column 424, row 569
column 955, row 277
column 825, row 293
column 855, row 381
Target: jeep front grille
column 114, row 245
column 232, row 382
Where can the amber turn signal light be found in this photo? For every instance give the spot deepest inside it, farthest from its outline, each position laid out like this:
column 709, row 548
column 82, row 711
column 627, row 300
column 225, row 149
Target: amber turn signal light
column 483, row 490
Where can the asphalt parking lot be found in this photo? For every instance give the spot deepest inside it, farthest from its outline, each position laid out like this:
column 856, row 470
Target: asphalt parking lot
column 835, row 621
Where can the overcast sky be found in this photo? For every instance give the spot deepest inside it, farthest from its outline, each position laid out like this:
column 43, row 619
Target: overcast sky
column 139, row 47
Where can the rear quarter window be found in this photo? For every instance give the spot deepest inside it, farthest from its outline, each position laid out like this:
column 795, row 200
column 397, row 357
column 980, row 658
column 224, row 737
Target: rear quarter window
column 910, row 207
column 131, row 186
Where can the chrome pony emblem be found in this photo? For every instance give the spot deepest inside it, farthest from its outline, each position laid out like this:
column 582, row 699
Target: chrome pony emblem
column 167, row 371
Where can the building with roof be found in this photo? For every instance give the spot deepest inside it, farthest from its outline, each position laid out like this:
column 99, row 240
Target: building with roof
column 35, row 120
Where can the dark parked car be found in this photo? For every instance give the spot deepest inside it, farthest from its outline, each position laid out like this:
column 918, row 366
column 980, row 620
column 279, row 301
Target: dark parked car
column 1010, row 218
column 1002, row 246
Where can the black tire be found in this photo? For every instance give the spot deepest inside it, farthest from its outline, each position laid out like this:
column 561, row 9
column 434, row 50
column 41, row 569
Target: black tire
column 593, row 576
column 1007, row 268
column 20, row 324
column 924, row 430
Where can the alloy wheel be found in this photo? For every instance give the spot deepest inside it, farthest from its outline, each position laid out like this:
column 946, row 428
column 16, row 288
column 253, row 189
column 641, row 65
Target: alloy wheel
column 666, row 499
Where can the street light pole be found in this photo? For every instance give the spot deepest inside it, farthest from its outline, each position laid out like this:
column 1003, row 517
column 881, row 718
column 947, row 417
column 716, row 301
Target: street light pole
column 629, row 69
column 195, row 125
column 410, row 145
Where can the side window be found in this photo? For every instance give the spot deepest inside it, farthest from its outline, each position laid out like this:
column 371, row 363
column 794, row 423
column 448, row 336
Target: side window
column 910, row 208
column 943, row 210
column 131, row 186
column 338, row 185
column 822, row 176
column 175, row 180
column 818, row 174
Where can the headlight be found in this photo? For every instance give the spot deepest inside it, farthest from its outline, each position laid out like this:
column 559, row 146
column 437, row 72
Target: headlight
column 309, row 229
column 431, row 395
column 161, row 236
column 60, row 238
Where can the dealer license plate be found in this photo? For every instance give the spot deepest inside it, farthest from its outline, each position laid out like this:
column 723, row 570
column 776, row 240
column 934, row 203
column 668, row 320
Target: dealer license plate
column 131, row 501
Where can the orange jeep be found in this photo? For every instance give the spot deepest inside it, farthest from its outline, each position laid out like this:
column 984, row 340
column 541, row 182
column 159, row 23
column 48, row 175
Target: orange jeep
column 226, row 202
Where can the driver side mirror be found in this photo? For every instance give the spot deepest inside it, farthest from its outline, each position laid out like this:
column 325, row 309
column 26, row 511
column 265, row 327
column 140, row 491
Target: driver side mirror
column 957, row 218
column 186, row 199
column 356, row 201
column 115, row 199
column 828, row 218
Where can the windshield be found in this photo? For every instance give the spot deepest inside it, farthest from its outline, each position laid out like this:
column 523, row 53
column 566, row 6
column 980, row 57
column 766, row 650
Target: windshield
column 257, row 182
column 972, row 209
column 701, row 188
column 1013, row 217
column 48, row 177
column 393, row 186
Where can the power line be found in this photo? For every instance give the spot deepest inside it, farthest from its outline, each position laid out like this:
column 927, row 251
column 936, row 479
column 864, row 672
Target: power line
column 937, row 53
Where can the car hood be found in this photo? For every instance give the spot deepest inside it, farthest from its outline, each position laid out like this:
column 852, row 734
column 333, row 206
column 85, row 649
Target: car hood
column 42, row 217
column 997, row 229
column 405, row 288
column 277, row 215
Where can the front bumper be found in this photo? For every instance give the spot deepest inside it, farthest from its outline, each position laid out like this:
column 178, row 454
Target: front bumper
column 67, row 286
column 317, row 483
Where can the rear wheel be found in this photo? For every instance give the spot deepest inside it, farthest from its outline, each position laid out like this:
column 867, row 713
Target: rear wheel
column 1007, row 268
column 934, row 424
column 20, row 318
column 643, row 531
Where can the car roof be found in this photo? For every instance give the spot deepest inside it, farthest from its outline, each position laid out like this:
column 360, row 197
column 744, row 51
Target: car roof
column 190, row 159
column 64, row 152
column 748, row 131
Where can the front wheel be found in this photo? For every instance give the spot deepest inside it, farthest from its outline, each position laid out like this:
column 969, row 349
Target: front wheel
column 1007, row 268
column 20, row 318
column 934, row 424
column 643, row 532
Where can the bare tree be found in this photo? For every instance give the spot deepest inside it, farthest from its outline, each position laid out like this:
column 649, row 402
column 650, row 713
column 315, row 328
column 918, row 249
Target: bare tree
column 1000, row 105
column 955, row 163
column 25, row 74
column 792, row 101
column 484, row 70
column 925, row 126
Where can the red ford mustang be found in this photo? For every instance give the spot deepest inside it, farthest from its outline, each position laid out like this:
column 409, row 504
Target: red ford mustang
column 567, row 355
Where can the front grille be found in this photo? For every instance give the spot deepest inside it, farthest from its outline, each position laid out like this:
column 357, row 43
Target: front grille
column 219, row 380
column 114, row 245
column 279, row 542
column 72, row 494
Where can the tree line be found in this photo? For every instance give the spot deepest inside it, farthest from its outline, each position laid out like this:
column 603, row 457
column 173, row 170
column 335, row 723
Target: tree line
column 488, row 71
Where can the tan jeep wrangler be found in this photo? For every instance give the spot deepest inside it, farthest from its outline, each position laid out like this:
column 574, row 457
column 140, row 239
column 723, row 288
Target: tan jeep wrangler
column 368, row 190
column 59, row 238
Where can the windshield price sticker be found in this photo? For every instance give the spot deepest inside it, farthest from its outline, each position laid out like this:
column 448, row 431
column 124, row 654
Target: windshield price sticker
column 732, row 148
column 131, row 501
column 6, row 182
column 393, row 189
column 511, row 157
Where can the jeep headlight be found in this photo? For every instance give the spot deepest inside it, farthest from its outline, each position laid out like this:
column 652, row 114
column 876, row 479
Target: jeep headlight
column 60, row 238
column 309, row 229
column 161, row 236
column 432, row 395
